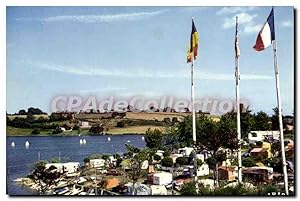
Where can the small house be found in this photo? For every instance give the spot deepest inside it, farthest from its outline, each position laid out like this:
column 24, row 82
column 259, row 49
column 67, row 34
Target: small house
column 259, row 174
column 70, row 167
column 162, row 178
column 175, row 156
column 203, row 170
column 260, row 152
column 96, row 163
column 226, row 173
column 158, row 190
column 186, row 151
column 255, row 136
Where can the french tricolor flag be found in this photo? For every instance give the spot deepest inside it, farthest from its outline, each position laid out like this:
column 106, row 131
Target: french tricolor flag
column 266, row 34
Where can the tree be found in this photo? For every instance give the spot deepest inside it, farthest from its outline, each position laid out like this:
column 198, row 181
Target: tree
column 167, row 162
column 180, row 161
column 262, row 121
column 275, row 119
column 120, row 124
column 156, row 157
column 22, row 112
column 44, row 177
column 86, row 161
column 188, row 188
column 96, row 129
column 30, row 118
column 248, row 162
column 32, row 110
column 247, row 122
column 36, row 131
column 154, row 138
column 171, row 137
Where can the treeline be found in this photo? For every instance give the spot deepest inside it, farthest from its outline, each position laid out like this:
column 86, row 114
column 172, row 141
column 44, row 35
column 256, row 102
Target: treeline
column 30, row 110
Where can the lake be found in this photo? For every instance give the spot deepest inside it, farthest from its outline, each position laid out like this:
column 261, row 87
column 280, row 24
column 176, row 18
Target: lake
column 20, row 161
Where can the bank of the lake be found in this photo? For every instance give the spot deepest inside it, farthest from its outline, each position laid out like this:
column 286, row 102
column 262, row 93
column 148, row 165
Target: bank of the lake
column 12, row 131
column 20, row 161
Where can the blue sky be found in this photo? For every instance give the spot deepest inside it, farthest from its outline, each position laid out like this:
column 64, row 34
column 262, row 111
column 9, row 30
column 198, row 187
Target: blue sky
column 123, row 51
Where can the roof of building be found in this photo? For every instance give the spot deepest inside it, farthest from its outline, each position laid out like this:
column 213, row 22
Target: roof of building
column 257, row 150
column 226, row 168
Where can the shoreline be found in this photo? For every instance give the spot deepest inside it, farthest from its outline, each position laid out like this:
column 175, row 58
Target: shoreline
column 110, row 134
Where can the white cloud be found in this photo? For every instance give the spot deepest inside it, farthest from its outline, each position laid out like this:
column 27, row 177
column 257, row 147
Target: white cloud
column 97, row 18
column 232, row 10
column 144, row 73
column 287, row 23
column 243, row 19
column 103, row 89
column 252, row 28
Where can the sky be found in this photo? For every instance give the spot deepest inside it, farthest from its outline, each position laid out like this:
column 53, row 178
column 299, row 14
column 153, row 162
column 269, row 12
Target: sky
column 125, row 51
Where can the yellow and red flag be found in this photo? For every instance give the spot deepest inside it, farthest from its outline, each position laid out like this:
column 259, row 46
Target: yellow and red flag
column 193, row 46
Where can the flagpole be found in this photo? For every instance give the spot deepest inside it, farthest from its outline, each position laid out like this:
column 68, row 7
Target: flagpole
column 284, row 164
column 237, row 75
column 193, row 116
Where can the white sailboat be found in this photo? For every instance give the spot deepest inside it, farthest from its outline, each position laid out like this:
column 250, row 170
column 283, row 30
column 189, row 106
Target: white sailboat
column 143, row 138
column 84, row 141
column 108, row 139
column 80, row 141
column 13, row 144
column 27, row 144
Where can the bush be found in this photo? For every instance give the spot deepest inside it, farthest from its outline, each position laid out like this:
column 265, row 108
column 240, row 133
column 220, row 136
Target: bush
column 57, row 131
column 86, row 160
column 181, row 161
column 96, row 129
column 105, row 157
column 36, row 131
column 154, row 138
column 156, row 157
column 248, row 162
column 167, row 162
column 120, row 124
column 76, row 127
column 188, row 189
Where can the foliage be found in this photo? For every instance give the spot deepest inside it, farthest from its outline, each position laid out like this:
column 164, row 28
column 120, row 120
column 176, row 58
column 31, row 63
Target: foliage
column 86, row 160
column 44, row 177
column 259, row 144
column 248, row 162
column 96, row 129
column 154, row 138
column 211, row 161
column 33, row 110
column 95, row 156
column 267, row 188
column 275, row 119
column 167, row 162
column 131, row 148
column 105, row 157
column 57, row 130
column 171, row 137
column 199, row 162
column 36, row 131
column 188, row 188
column 156, row 157
column 262, row 120
column 120, row 124
column 181, row 161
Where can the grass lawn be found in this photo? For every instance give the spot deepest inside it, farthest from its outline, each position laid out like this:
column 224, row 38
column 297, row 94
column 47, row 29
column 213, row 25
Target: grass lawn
column 12, row 131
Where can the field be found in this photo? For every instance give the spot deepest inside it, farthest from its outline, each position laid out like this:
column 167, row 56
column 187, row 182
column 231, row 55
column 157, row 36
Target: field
column 135, row 123
column 132, row 129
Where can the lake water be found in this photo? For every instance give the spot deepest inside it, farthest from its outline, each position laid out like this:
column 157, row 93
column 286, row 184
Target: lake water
column 20, row 161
